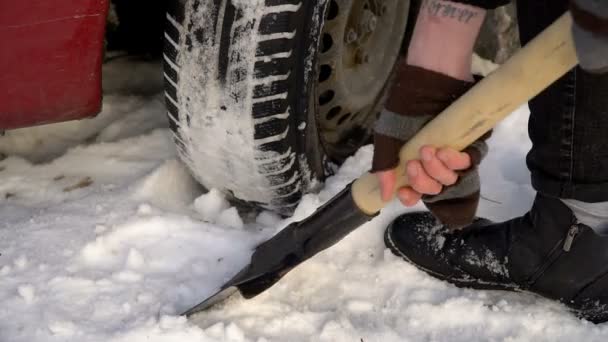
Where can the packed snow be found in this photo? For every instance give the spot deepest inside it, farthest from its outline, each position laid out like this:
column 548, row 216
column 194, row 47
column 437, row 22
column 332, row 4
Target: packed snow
column 106, row 237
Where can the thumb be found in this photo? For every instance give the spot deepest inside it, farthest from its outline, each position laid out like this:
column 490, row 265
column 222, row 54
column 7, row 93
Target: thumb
column 388, row 180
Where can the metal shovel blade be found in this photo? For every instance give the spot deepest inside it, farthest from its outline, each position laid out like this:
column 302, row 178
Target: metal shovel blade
column 216, row 298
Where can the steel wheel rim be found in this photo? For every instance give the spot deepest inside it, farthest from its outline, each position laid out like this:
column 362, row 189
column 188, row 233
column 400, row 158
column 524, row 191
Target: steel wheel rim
column 360, row 43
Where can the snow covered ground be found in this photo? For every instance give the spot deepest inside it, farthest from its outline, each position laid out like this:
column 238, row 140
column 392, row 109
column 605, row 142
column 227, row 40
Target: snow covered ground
column 111, row 238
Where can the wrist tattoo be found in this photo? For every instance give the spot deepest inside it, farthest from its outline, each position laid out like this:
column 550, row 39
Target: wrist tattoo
column 444, row 9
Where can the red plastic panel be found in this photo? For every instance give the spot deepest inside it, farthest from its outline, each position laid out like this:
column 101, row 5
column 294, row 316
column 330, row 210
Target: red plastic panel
column 50, row 60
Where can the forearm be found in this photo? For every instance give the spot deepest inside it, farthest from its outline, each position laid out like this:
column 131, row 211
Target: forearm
column 444, row 37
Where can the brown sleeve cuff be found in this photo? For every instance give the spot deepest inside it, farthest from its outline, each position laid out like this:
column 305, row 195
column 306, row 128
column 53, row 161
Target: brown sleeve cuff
column 456, row 213
column 418, row 91
column 386, row 153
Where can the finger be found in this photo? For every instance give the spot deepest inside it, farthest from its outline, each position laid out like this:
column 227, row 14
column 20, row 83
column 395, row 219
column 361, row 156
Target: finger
column 420, row 181
column 408, row 196
column 453, row 159
column 435, row 167
column 387, row 179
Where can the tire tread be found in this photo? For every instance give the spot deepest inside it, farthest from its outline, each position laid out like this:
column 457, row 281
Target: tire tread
column 272, row 92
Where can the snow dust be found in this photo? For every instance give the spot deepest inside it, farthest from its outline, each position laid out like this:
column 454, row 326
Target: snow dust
column 110, row 239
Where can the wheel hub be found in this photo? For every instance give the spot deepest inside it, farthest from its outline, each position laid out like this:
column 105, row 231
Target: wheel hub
column 360, row 43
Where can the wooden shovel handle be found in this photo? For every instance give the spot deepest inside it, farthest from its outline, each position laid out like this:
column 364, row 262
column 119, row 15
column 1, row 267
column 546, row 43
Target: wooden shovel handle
column 544, row 60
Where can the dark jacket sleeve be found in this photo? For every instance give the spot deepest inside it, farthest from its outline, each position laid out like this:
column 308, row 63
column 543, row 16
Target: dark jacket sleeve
column 591, row 33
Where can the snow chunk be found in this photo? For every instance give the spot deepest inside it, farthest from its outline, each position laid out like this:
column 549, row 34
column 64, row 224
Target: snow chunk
column 5, row 270
column 145, row 298
column 211, row 205
column 99, row 229
column 234, row 333
column 62, row 328
column 170, row 186
column 27, row 292
column 230, row 218
column 216, row 330
column 135, row 259
column 268, row 218
column 144, row 209
column 21, row 262
column 359, row 306
column 127, row 276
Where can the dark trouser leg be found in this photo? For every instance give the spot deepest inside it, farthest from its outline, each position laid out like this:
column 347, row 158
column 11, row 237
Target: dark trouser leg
column 569, row 122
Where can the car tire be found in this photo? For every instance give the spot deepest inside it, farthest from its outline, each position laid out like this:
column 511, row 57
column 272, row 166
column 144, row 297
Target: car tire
column 265, row 98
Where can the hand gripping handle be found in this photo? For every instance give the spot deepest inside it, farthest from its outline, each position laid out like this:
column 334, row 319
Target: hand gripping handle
column 536, row 66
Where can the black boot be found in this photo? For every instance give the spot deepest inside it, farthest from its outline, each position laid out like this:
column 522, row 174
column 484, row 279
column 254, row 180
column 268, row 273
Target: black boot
column 546, row 252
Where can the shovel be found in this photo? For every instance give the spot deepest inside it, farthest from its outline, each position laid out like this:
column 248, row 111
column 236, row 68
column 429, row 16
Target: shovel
column 544, row 60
